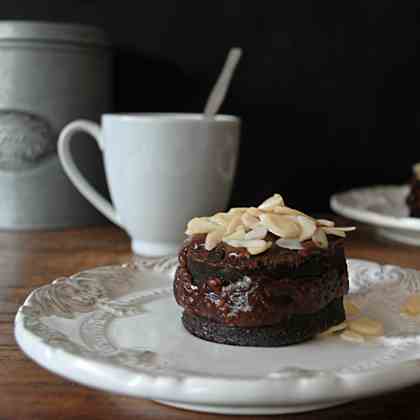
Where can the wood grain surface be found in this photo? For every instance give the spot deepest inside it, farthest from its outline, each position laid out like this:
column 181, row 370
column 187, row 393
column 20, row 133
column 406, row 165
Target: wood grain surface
column 31, row 259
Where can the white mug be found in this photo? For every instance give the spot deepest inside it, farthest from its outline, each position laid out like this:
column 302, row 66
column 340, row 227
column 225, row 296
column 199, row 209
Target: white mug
column 162, row 170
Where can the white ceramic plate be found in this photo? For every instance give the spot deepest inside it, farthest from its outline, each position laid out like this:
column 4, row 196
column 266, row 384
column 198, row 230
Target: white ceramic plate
column 119, row 329
column 384, row 208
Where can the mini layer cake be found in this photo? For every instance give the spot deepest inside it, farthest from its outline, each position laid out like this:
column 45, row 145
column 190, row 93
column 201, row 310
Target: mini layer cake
column 413, row 199
column 266, row 276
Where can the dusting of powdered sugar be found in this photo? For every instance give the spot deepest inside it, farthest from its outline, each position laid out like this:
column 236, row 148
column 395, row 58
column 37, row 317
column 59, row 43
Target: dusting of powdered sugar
column 238, row 293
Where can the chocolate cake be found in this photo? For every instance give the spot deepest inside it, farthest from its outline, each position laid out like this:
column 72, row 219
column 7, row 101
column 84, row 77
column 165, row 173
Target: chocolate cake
column 261, row 277
column 413, row 199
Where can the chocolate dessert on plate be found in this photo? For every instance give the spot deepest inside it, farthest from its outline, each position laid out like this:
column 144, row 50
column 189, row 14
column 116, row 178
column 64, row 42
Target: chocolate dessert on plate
column 413, row 199
column 266, row 276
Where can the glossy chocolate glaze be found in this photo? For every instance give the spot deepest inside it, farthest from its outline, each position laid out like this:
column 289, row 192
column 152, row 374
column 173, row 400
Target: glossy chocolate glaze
column 229, row 285
column 413, row 199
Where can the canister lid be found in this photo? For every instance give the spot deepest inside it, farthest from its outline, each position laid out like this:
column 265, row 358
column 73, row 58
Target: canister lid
column 15, row 30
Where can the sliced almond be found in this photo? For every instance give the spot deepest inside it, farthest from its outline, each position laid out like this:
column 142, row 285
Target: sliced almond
column 252, row 243
column 293, row 244
column 253, row 211
column 319, row 238
column 235, row 222
column 287, row 211
column 282, row 226
column 200, row 225
column 237, row 210
column 338, row 231
column 222, row 218
column 273, row 201
column 350, row 308
column 412, row 305
column 249, row 221
column 259, row 232
column 366, row 326
column 307, row 226
column 352, row 336
column 259, row 249
column 213, row 239
column 272, row 215
column 336, row 328
column 333, row 231
column 239, row 234
column 325, row 222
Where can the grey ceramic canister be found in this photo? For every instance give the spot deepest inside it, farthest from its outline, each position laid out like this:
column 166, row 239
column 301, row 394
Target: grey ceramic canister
column 50, row 74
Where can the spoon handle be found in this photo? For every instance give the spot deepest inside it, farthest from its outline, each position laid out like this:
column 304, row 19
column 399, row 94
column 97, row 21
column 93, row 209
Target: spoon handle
column 219, row 90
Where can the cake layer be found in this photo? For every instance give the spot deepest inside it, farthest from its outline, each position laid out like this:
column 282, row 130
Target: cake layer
column 292, row 330
column 227, row 260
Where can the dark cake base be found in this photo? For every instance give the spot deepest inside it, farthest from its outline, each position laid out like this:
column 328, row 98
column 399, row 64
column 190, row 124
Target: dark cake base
column 296, row 329
column 415, row 213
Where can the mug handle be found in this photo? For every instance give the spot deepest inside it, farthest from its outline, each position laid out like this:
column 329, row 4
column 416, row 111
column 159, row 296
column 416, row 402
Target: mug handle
column 73, row 172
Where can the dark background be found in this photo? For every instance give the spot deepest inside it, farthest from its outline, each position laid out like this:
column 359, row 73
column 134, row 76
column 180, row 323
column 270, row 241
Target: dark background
column 327, row 89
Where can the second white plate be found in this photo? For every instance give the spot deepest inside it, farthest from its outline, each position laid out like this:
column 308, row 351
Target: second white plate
column 382, row 207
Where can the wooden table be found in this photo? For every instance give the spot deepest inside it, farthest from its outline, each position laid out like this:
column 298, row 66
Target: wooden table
column 29, row 260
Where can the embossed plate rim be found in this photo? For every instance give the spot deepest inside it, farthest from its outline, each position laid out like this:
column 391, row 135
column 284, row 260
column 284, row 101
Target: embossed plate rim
column 292, row 387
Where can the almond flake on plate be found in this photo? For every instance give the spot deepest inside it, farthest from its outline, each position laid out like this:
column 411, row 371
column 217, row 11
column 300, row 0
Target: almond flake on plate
column 367, row 327
column 411, row 306
column 334, row 329
column 352, row 336
column 350, row 308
